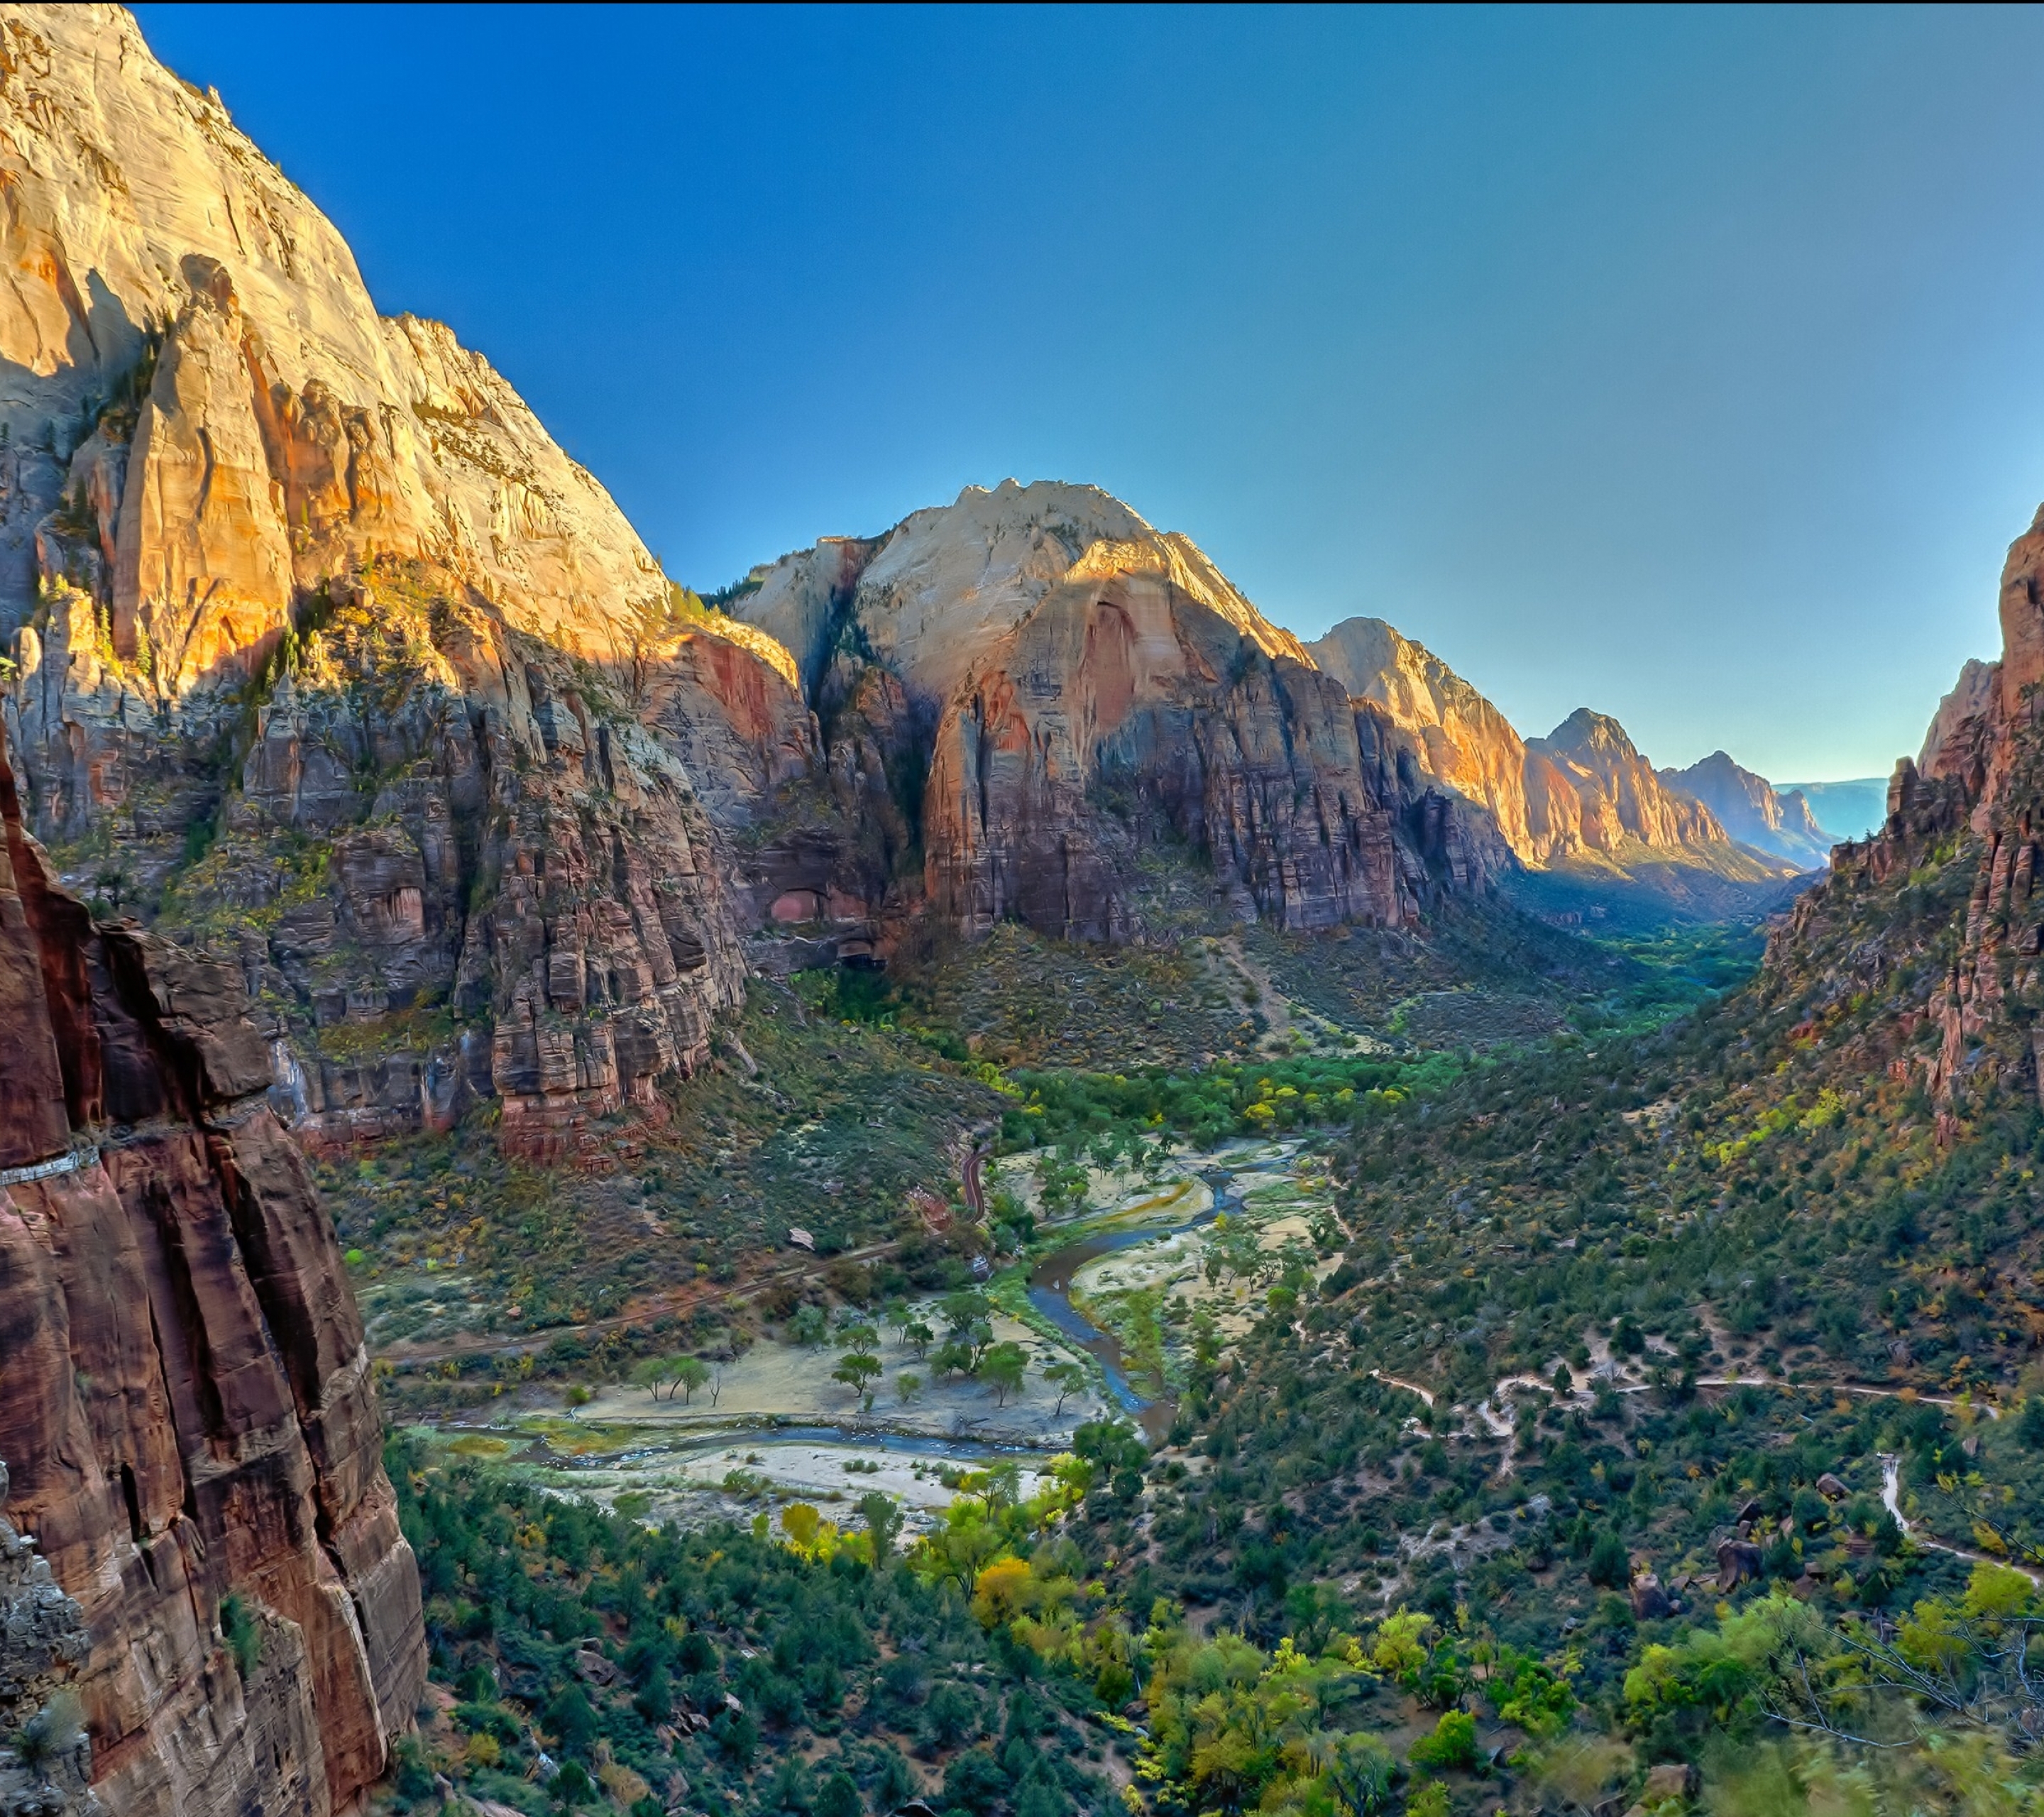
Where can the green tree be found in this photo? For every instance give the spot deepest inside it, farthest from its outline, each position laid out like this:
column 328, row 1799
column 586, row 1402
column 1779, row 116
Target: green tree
column 882, row 1515
column 838, row 1797
column 1610, row 1568
column 856, row 1371
column 1000, row 1368
column 962, row 1312
column 1452, row 1744
column 2030, row 1427
column 1358, row 1770
column 1068, row 1378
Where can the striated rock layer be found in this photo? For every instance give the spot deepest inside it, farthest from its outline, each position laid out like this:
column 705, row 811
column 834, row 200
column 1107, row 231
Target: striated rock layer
column 325, row 653
column 1077, row 685
column 184, row 1397
column 1582, row 796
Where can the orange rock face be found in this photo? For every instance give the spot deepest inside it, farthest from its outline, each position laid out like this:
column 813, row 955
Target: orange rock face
column 185, row 1403
column 1137, row 675
column 227, row 482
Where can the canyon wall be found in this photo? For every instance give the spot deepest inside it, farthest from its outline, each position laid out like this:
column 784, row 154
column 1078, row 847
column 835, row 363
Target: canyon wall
column 1582, row 796
column 1752, row 810
column 1059, row 688
column 1462, row 738
column 185, row 1410
column 326, row 657
column 1967, row 993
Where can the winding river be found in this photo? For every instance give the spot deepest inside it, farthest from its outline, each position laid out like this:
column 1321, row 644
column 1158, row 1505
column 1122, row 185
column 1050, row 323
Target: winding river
column 1050, row 1292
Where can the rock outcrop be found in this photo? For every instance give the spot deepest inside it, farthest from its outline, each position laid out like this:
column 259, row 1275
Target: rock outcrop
column 1591, row 795
column 1036, row 685
column 42, row 1641
column 1582, row 796
column 1463, row 740
column 939, row 590
column 1752, row 810
column 324, row 651
column 1974, row 798
column 1129, row 677
column 184, row 1397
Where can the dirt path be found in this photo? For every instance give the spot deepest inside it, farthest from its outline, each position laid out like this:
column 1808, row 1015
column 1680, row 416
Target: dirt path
column 1890, row 1499
column 1498, row 1415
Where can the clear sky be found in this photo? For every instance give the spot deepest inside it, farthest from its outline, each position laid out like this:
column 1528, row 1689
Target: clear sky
column 1682, row 364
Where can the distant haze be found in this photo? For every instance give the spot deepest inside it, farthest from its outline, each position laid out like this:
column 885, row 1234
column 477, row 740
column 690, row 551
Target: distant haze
column 1667, row 362
column 1852, row 810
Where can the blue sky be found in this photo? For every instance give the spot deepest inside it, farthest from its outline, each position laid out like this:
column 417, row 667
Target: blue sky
column 1678, row 363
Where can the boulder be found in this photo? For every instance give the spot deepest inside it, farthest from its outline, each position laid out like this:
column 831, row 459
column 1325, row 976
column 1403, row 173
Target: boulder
column 1739, row 1562
column 1671, row 1779
column 1650, row 1600
column 1830, row 1489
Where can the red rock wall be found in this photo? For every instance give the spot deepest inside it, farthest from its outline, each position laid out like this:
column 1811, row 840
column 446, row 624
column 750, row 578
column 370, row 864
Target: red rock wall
column 185, row 1403
column 1126, row 682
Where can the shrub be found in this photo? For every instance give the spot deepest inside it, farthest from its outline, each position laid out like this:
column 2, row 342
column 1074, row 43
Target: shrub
column 1452, row 1744
column 1609, row 1566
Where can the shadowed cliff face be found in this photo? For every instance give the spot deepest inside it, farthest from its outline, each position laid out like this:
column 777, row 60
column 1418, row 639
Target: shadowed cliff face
column 326, row 656
column 1752, row 810
column 185, row 1402
column 1968, row 1008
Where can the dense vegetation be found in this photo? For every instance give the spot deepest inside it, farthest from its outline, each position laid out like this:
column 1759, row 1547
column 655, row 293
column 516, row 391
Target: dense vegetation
column 1672, row 1406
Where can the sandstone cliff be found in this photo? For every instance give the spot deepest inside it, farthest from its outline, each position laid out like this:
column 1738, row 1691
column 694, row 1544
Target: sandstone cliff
column 1582, row 797
column 42, row 1643
column 1752, row 810
column 185, row 1400
column 1965, row 827
column 327, row 655
column 1463, row 740
column 1042, row 686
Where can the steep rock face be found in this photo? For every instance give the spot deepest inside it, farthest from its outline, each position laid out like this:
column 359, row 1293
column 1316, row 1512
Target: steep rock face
column 1029, row 682
column 186, row 1407
column 1974, row 801
column 1751, row 810
column 1591, row 795
column 311, row 592
column 168, row 282
column 42, row 1641
column 1138, row 689
column 1582, row 796
column 1463, row 740
column 493, row 831
column 1952, row 738
column 936, row 594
